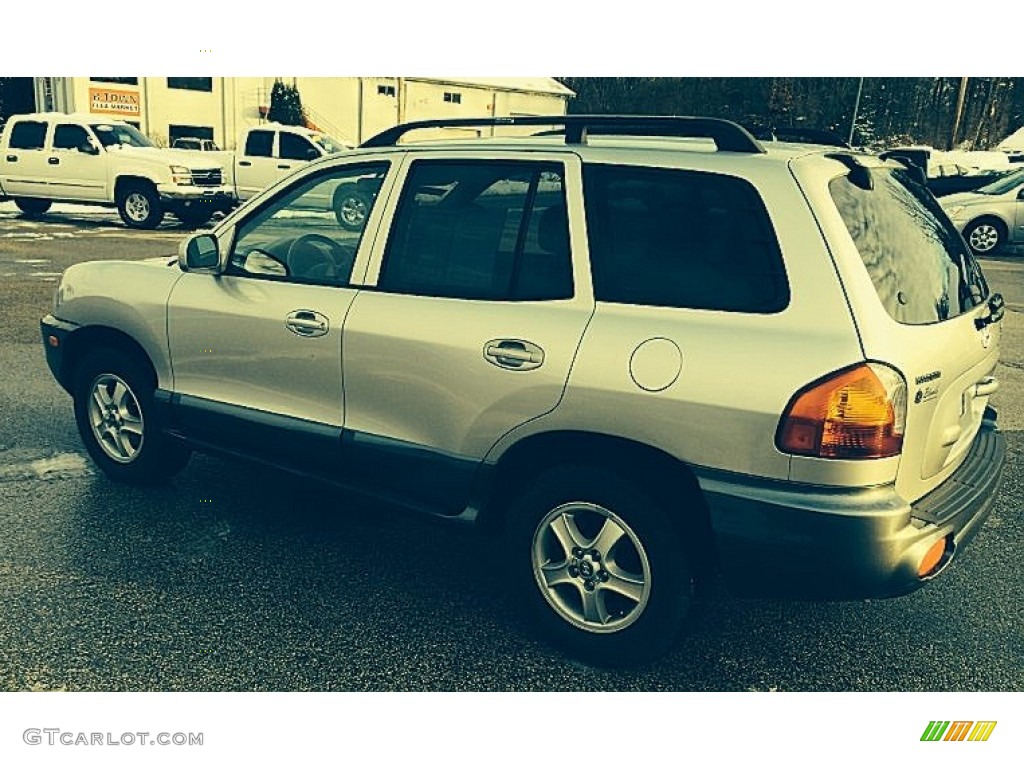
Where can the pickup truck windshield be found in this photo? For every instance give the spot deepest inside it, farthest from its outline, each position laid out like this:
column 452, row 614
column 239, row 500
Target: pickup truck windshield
column 111, row 134
column 326, row 143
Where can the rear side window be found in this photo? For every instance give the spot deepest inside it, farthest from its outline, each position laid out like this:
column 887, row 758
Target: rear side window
column 672, row 238
column 28, row 134
column 482, row 230
column 919, row 264
column 259, row 144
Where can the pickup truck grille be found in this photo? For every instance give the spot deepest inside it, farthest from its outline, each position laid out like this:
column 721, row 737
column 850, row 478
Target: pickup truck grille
column 211, row 177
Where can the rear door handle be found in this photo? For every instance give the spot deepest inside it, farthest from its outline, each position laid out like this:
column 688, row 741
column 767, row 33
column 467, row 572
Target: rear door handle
column 307, row 323
column 245, row 163
column 514, row 354
column 12, row 158
column 53, row 160
column 284, row 167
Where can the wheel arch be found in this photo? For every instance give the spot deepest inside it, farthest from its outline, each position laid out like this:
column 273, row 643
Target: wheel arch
column 128, row 181
column 671, row 480
column 80, row 343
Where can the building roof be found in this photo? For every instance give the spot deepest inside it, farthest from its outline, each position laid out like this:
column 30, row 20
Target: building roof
column 548, row 85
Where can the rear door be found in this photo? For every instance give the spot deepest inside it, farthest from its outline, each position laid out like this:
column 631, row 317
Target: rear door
column 256, row 169
column 24, row 161
column 470, row 321
column 922, row 305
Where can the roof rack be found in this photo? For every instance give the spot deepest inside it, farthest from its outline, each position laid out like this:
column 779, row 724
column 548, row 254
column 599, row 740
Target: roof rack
column 728, row 136
column 799, row 134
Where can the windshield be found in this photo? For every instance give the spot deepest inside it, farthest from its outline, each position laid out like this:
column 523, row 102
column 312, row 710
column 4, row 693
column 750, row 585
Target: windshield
column 1004, row 184
column 326, row 143
column 920, row 266
column 111, row 134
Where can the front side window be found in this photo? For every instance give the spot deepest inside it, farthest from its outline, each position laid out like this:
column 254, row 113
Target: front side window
column 260, row 144
column 481, row 230
column 28, row 134
column 303, row 236
column 672, row 238
column 295, row 147
column 70, row 137
column 920, row 267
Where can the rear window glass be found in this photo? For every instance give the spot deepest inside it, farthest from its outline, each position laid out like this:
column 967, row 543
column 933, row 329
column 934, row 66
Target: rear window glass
column 919, row 264
column 672, row 238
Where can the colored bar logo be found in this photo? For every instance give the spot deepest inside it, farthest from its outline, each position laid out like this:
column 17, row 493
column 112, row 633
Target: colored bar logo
column 958, row 730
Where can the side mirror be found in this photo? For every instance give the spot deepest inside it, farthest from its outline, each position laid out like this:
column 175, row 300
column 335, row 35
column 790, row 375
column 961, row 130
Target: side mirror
column 88, row 148
column 1020, row 193
column 312, row 154
column 199, row 252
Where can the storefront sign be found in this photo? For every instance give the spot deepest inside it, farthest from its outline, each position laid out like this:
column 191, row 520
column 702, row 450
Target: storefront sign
column 115, row 102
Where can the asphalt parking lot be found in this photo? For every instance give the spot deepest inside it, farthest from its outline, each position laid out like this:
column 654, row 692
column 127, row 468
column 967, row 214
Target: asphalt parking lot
column 236, row 578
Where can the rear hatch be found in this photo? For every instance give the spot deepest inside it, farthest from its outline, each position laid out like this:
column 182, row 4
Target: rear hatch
column 921, row 304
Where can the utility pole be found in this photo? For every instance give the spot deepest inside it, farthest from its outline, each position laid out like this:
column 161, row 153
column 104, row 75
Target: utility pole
column 959, row 112
column 856, row 109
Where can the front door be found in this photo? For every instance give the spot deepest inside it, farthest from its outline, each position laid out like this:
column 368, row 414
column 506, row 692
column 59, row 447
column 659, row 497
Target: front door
column 256, row 352
column 256, row 168
column 473, row 324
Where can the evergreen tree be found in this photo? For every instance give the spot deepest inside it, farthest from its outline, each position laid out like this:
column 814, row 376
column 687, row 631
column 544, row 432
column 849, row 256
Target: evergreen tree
column 285, row 105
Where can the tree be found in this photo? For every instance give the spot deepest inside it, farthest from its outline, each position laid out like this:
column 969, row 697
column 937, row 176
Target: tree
column 286, row 105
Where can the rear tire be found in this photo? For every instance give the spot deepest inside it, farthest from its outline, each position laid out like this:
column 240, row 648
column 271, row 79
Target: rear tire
column 32, row 206
column 139, row 206
column 118, row 422
column 985, row 235
column 597, row 562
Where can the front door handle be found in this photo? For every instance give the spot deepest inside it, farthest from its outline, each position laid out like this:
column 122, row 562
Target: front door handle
column 514, row 354
column 284, row 167
column 53, row 160
column 12, row 158
column 307, row 323
column 244, row 163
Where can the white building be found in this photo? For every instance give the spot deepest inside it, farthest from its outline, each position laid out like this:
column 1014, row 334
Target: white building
column 350, row 108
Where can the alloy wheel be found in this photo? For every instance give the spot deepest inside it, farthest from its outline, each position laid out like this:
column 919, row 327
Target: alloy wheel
column 591, row 567
column 115, row 418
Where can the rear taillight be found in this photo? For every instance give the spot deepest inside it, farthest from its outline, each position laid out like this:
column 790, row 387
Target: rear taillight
column 856, row 413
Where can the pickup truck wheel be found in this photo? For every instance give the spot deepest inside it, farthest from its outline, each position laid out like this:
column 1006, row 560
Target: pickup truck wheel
column 351, row 208
column 194, row 215
column 31, row 206
column 117, row 420
column 139, row 206
column 599, row 565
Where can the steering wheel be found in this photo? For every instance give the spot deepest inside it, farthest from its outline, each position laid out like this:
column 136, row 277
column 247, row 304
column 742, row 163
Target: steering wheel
column 318, row 257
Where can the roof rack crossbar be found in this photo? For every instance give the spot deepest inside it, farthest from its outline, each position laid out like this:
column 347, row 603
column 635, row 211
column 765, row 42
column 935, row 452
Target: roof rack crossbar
column 727, row 135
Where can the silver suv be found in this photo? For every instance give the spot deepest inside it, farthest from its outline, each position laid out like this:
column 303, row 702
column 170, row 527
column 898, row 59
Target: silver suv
column 644, row 350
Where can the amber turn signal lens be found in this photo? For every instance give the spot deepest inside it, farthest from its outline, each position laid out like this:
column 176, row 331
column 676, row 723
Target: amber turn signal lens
column 857, row 413
column 931, row 558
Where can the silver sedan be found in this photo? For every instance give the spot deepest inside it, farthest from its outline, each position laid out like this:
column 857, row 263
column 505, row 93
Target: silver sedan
column 992, row 216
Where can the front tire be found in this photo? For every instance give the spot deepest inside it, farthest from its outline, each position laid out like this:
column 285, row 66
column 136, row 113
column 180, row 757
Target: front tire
column 32, row 206
column 117, row 420
column 139, row 206
column 351, row 208
column 985, row 235
column 599, row 565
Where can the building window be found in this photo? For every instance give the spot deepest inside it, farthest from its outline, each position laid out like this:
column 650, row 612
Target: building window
column 120, row 80
column 191, row 83
column 385, row 90
column 453, row 98
column 175, row 132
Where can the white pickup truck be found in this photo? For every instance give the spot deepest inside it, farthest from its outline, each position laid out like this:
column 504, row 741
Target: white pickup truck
column 55, row 157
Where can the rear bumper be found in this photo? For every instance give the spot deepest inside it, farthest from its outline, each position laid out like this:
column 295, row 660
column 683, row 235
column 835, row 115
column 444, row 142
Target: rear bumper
column 813, row 542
